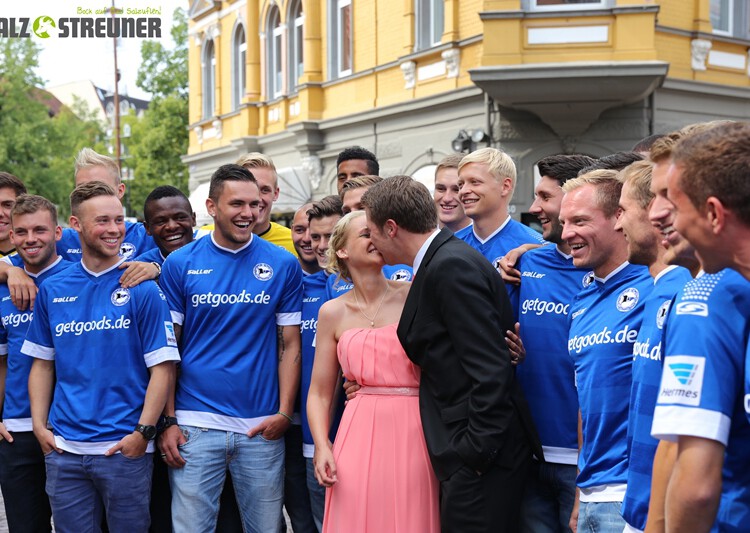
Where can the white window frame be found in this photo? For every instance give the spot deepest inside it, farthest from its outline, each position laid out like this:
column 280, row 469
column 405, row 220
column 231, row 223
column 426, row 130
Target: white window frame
column 239, row 66
column 274, row 55
column 208, row 73
column 591, row 4
column 336, row 42
column 296, row 44
column 729, row 17
column 427, row 32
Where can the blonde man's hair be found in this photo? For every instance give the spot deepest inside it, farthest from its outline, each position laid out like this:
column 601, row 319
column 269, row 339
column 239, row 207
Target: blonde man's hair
column 257, row 160
column 498, row 162
column 606, row 185
column 638, row 176
column 334, row 264
column 88, row 158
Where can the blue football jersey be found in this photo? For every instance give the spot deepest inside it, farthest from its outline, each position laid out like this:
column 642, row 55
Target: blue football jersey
column 103, row 338
column 313, row 297
column 549, row 281
column 604, row 322
column 702, row 390
column 15, row 324
column 398, row 272
column 336, row 286
column 229, row 304
column 136, row 242
column 154, row 255
column 646, row 377
column 511, row 234
column 13, row 259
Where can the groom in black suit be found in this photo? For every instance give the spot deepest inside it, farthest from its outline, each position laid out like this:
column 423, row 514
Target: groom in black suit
column 478, row 429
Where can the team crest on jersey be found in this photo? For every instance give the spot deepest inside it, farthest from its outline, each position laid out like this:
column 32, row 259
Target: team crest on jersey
column 127, row 250
column 401, row 275
column 661, row 314
column 588, row 279
column 120, row 296
column 627, row 299
column 496, row 263
column 263, row 271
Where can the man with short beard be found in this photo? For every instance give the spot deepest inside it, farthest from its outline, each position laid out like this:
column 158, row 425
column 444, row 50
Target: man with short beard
column 22, row 474
column 644, row 248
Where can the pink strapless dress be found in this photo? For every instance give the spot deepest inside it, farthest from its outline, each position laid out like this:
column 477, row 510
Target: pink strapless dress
column 385, row 480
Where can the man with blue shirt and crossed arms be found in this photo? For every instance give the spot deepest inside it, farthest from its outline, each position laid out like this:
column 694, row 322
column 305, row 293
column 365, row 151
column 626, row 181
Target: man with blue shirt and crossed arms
column 604, row 322
column 234, row 399
column 34, row 234
column 703, row 398
column 109, row 354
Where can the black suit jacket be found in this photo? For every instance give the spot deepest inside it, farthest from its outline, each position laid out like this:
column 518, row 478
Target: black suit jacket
column 453, row 326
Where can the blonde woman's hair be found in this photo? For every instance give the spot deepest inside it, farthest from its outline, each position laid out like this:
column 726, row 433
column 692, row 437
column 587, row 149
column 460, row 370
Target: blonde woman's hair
column 336, row 265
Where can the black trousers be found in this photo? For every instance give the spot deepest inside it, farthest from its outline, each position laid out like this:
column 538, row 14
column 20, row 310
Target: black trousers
column 487, row 503
column 22, row 479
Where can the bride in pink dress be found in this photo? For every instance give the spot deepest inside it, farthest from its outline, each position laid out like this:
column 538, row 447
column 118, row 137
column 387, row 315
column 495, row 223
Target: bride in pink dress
column 378, row 472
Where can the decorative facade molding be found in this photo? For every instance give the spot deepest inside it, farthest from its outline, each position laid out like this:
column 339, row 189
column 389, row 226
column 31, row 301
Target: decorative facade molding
column 699, row 49
column 198, row 134
column 409, row 70
column 314, row 168
column 452, row 59
column 216, row 124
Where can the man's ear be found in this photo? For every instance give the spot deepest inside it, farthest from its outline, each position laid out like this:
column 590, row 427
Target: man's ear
column 210, row 207
column 74, row 223
column 507, row 186
column 716, row 214
column 390, row 228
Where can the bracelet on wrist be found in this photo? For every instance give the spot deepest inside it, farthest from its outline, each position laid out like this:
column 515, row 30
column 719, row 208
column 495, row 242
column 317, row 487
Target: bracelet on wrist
column 285, row 416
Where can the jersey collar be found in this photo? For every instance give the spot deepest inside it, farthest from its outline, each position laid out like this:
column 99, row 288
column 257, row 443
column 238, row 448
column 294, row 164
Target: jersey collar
column 59, row 258
column 238, row 250
column 611, row 274
column 498, row 230
column 98, row 274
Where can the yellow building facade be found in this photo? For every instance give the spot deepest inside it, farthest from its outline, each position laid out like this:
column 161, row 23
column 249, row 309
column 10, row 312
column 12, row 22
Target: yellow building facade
column 300, row 80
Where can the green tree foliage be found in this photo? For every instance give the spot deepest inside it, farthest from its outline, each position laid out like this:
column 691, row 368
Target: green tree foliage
column 160, row 137
column 34, row 145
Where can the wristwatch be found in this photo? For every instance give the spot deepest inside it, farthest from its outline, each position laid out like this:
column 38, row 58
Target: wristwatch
column 165, row 422
column 148, row 432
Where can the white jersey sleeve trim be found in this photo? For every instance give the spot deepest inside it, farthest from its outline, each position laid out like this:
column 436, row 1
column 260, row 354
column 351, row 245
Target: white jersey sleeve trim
column 38, row 351
column 6, row 259
column 201, row 419
column 166, row 353
column 308, row 450
column 91, row 448
column 288, row 319
column 613, row 492
column 177, row 318
column 18, row 424
column 3, row 349
column 631, row 529
column 560, row 456
column 672, row 421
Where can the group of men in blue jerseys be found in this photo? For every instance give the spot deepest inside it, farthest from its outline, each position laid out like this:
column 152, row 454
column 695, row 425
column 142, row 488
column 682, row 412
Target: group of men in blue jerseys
column 633, row 311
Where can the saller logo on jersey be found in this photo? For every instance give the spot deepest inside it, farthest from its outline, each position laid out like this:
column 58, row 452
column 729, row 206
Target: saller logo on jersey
column 682, row 380
column 692, row 308
column 263, row 272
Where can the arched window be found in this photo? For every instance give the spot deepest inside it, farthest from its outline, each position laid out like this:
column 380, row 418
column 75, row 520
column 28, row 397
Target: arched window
column 429, row 19
column 296, row 43
column 274, row 69
column 208, row 68
column 239, row 57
